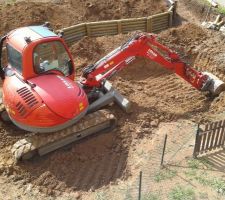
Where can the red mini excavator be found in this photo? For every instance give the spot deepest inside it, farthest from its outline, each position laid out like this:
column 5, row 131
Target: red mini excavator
column 40, row 96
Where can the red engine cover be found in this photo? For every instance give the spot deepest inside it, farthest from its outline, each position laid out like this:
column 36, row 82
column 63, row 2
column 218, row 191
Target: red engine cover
column 60, row 94
column 53, row 100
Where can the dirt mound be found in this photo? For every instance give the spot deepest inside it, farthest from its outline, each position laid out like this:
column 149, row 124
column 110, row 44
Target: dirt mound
column 66, row 13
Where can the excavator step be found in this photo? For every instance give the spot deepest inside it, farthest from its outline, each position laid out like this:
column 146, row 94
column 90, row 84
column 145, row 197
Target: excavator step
column 43, row 143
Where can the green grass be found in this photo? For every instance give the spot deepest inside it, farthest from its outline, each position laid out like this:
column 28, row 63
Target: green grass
column 101, row 196
column 164, row 174
column 10, row 1
column 199, row 164
column 221, row 10
column 182, row 193
column 151, row 196
column 196, row 172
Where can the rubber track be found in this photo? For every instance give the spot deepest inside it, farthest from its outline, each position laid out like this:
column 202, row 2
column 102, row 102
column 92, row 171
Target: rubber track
column 27, row 148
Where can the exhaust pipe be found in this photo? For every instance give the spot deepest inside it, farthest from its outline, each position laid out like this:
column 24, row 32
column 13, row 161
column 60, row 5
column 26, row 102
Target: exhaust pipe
column 214, row 85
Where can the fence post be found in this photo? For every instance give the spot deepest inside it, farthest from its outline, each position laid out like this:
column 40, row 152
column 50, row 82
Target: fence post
column 140, row 184
column 163, row 153
column 88, row 29
column 196, row 149
column 171, row 19
column 119, row 26
column 175, row 8
column 149, row 24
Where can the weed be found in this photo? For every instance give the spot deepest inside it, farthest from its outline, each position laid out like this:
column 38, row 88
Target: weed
column 219, row 185
column 181, row 193
column 194, row 163
column 203, row 195
column 151, row 196
column 101, row 196
column 191, row 173
column 221, row 10
column 165, row 174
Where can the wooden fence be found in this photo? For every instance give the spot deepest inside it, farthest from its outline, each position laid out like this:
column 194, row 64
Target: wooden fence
column 211, row 139
column 155, row 24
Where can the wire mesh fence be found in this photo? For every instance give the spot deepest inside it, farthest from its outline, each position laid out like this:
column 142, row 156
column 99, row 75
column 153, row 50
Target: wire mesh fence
column 179, row 176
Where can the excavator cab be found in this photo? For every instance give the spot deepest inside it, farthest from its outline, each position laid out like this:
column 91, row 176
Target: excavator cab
column 35, row 50
column 52, row 56
column 39, row 92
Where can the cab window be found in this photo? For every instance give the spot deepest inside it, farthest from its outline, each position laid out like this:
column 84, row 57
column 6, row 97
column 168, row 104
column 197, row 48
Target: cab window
column 51, row 56
column 14, row 58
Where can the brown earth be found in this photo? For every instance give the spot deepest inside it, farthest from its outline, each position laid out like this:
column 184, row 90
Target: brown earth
column 66, row 13
column 157, row 96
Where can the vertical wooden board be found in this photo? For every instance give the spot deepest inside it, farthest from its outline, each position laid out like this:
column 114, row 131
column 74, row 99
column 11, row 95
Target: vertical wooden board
column 197, row 144
column 206, row 127
column 119, row 27
column 218, row 130
column 204, row 136
column 222, row 135
column 214, row 131
column 149, row 25
column 211, row 126
column 209, row 133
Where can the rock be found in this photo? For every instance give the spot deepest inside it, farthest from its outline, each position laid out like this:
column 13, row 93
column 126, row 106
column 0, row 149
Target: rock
column 77, row 195
column 154, row 123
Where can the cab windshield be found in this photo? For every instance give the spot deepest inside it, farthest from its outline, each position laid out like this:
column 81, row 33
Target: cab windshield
column 51, row 56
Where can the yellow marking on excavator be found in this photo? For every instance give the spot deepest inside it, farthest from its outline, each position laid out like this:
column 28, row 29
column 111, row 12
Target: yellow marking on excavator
column 81, row 106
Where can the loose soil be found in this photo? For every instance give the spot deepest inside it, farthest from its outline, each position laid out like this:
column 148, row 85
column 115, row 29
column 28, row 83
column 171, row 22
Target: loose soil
column 157, row 96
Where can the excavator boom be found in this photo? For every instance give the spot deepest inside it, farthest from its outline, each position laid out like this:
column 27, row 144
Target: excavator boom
column 147, row 46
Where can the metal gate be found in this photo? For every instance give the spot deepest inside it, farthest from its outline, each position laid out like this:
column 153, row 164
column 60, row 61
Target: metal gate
column 210, row 139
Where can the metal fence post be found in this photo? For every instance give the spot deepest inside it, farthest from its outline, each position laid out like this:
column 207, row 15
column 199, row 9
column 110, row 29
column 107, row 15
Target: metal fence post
column 163, row 153
column 140, row 183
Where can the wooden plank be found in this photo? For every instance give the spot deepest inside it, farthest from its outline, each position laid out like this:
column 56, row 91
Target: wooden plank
column 134, row 27
column 160, row 19
column 134, row 20
column 160, row 22
column 160, row 15
column 149, row 24
column 171, row 19
column 214, row 131
column 74, row 27
column 222, row 135
column 159, row 29
column 211, row 126
column 88, row 29
column 204, row 136
column 138, row 24
column 197, row 147
column 119, row 27
column 218, row 130
column 70, row 29
column 103, row 26
column 133, row 23
column 160, row 25
column 103, row 29
column 209, row 134
column 75, row 31
column 105, row 22
column 206, row 127
column 103, row 34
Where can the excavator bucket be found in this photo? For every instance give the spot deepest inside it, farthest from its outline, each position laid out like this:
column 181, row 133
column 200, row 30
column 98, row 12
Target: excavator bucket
column 214, row 84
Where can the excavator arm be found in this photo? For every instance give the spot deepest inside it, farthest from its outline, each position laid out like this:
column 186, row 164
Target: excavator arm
column 147, row 46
